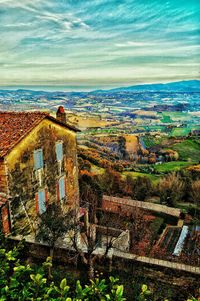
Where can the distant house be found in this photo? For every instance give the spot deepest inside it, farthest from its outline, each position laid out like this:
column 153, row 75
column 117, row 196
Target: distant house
column 195, row 133
column 38, row 166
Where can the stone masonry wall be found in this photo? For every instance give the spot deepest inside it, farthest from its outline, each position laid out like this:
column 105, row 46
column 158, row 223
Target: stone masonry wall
column 25, row 182
column 3, row 177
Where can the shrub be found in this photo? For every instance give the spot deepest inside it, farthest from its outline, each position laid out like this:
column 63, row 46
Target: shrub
column 20, row 282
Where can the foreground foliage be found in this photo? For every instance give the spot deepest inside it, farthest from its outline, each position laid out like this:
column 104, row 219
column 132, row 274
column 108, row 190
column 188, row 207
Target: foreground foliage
column 22, row 282
column 19, row 281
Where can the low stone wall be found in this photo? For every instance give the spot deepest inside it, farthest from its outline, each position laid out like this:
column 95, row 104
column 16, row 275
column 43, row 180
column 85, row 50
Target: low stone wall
column 117, row 205
column 41, row 251
column 157, row 262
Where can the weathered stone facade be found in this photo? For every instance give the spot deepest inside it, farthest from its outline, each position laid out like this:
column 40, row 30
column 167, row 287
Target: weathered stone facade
column 25, row 181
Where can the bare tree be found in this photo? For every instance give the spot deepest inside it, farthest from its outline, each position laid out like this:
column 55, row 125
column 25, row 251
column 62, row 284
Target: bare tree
column 83, row 230
column 171, row 189
column 54, row 225
column 195, row 193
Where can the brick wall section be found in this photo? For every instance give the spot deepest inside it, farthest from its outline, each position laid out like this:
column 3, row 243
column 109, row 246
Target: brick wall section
column 5, row 219
column 3, row 177
column 119, row 205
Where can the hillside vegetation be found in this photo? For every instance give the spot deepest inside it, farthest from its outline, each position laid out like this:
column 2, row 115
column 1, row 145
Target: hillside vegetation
column 189, row 150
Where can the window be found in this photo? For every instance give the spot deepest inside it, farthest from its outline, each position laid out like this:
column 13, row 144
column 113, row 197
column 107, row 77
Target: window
column 41, row 199
column 38, row 159
column 59, row 151
column 61, row 188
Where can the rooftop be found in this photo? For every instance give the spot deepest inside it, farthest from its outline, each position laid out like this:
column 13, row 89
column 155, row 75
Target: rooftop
column 16, row 125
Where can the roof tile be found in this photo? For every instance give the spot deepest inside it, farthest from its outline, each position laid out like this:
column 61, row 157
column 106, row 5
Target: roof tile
column 14, row 126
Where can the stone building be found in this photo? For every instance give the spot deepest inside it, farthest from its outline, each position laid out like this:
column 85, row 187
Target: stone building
column 38, row 166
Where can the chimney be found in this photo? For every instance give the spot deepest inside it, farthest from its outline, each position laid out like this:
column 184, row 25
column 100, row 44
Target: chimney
column 61, row 115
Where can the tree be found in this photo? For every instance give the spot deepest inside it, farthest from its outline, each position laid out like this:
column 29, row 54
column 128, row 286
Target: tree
column 83, row 235
column 54, row 225
column 195, row 192
column 122, row 147
column 90, row 193
column 171, row 189
column 152, row 158
column 84, row 164
column 111, row 182
column 129, row 184
column 186, row 177
column 195, row 196
column 80, row 232
column 142, row 188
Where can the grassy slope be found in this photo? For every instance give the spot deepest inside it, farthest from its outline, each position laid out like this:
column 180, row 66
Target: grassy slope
column 180, row 132
column 171, row 166
column 135, row 174
column 152, row 141
column 97, row 170
column 188, row 150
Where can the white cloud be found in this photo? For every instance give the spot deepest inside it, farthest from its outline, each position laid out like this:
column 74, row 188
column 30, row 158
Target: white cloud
column 134, row 44
column 13, row 25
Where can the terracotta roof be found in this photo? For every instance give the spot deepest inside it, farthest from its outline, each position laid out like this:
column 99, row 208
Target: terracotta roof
column 16, row 125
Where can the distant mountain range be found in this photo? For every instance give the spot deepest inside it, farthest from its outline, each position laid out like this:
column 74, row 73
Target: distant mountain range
column 181, row 86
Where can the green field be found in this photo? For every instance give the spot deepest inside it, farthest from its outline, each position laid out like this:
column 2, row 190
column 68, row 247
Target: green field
column 171, row 166
column 135, row 174
column 166, row 119
column 189, row 150
column 184, row 131
column 178, row 115
column 158, row 128
column 152, row 141
column 180, row 132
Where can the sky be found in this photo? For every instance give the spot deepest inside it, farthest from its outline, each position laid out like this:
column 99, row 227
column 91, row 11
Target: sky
column 98, row 43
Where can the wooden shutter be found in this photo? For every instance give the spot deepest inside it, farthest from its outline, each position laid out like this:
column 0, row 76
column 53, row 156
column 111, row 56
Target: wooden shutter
column 58, row 191
column 41, row 201
column 59, row 151
column 37, row 204
column 46, row 197
column 65, row 186
column 62, row 187
column 41, row 158
column 38, row 159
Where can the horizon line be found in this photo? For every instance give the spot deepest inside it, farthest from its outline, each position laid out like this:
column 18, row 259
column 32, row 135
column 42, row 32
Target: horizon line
column 87, row 88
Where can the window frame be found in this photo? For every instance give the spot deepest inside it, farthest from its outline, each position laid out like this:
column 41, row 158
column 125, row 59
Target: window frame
column 59, row 158
column 38, row 159
column 42, row 208
column 62, row 188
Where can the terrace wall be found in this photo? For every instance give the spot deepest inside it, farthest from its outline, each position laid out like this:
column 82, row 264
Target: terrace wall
column 119, row 205
column 119, row 258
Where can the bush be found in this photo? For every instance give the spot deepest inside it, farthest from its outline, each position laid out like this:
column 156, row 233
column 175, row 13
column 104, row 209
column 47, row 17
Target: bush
column 20, row 282
column 168, row 219
column 194, row 212
column 157, row 227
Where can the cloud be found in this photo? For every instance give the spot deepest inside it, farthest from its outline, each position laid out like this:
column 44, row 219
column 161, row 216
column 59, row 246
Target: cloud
column 17, row 25
column 134, row 44
column 58, row 40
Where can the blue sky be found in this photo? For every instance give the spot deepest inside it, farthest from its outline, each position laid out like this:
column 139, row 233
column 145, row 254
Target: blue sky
column 98, row 43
